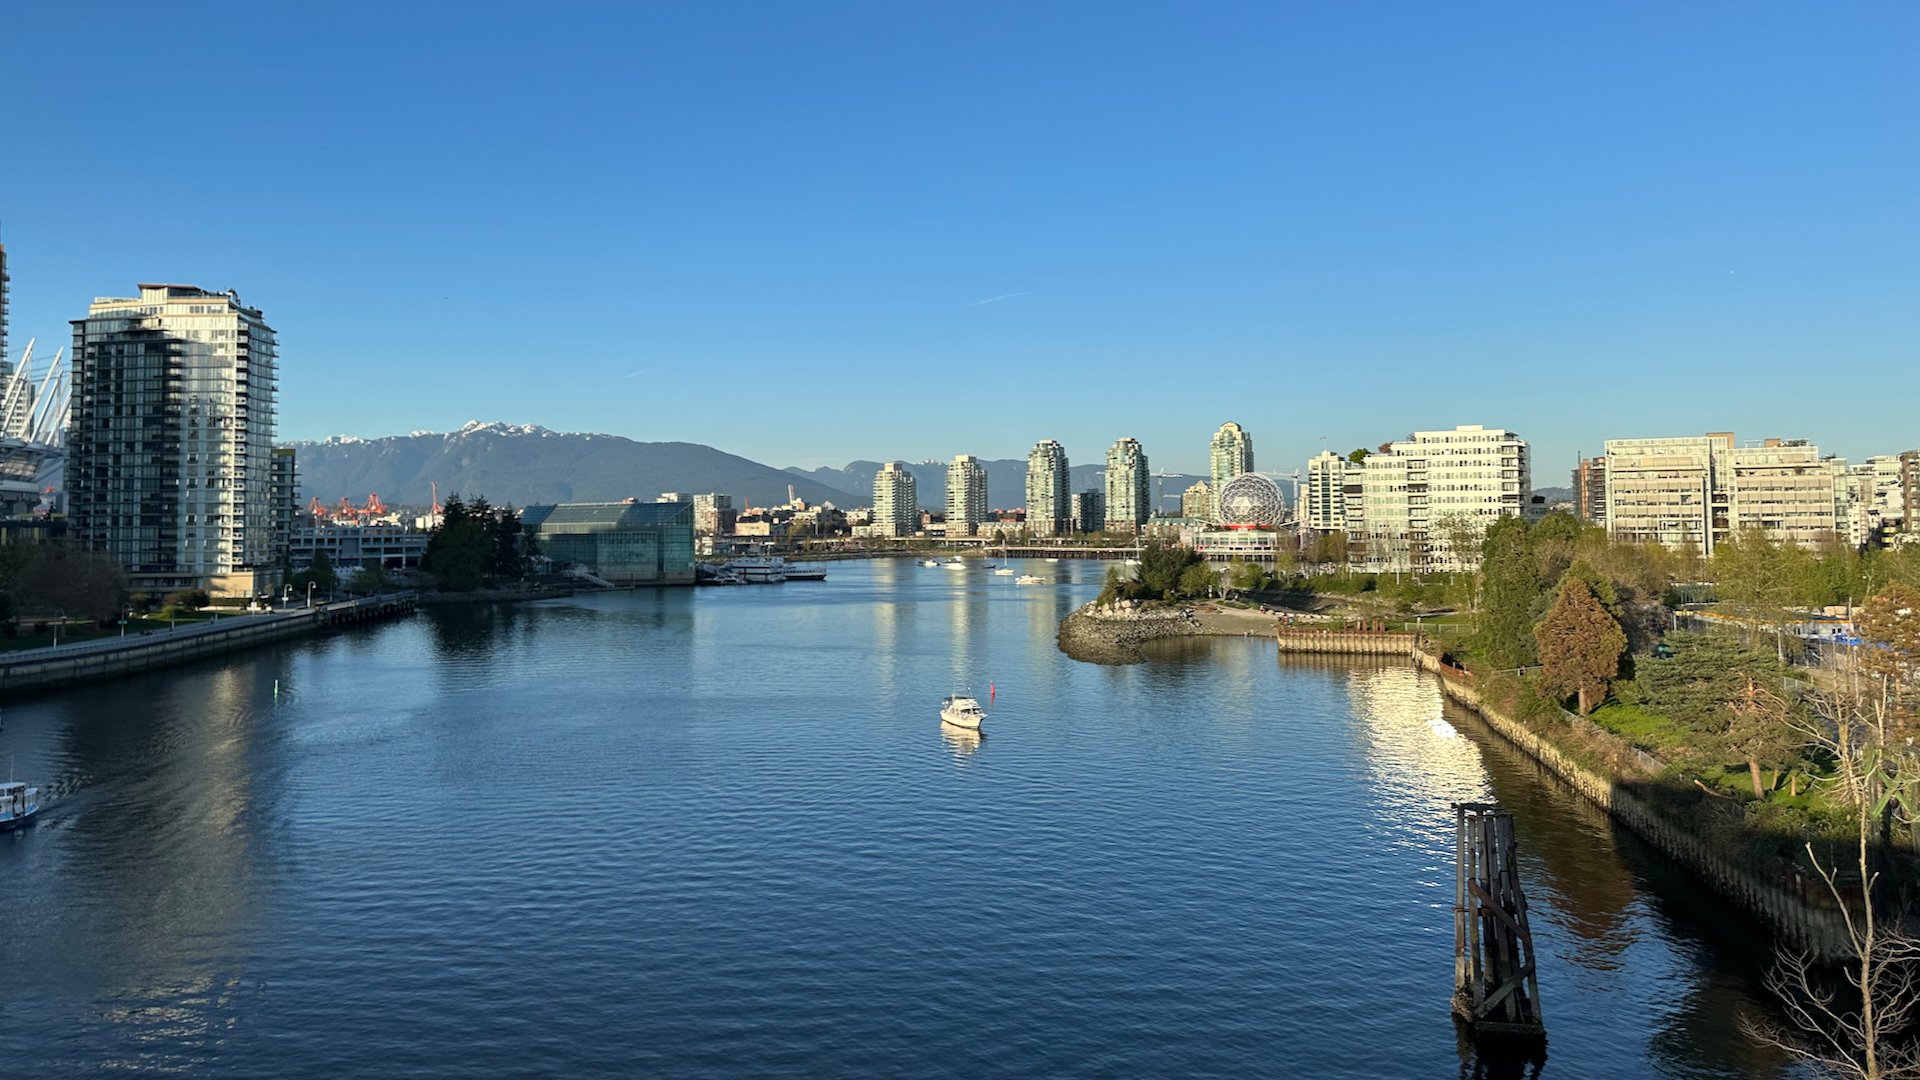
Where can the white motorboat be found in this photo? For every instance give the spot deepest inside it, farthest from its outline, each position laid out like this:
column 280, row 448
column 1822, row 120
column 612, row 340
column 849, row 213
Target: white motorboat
column 962, row 712
column 1029, row 579
column 806, row 572
column 1049, row 559
column 19, row 803
column 955, row 563
column 1003, row 571
column 929, row 562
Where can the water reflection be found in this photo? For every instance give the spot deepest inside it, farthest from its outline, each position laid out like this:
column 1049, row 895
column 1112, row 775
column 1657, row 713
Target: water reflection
column 1417, row 761
column 961, row 741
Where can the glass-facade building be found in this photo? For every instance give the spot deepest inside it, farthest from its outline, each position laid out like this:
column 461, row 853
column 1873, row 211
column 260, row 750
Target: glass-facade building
column 627, row 543
column 170, row 438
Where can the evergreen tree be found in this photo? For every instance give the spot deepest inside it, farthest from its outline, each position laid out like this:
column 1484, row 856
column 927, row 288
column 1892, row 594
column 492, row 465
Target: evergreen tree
column 1510, row 586
column 1580, row 645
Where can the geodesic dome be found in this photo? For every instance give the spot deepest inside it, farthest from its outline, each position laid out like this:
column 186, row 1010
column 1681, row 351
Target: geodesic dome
column 1251, row 501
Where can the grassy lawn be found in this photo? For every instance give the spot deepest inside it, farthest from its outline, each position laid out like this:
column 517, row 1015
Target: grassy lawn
column 1641, row 728
column 74, row 631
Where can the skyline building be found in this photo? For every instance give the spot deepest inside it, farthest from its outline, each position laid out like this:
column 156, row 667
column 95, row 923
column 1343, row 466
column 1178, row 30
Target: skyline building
column 1432, row 492
column 896, row 511
column 1230, row 455
column 1196, row 502
column 1129, row 494
column 1590, row 490
column 6, row 298
column 1089, row 510
column 1702, row 490
column 171, row 438
column 966, row 495
column 1324, row 496
column 714, row 514
column 1049, row 489
column 286, row 499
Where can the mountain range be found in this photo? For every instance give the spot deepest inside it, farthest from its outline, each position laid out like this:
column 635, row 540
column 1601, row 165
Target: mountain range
column 522, row 464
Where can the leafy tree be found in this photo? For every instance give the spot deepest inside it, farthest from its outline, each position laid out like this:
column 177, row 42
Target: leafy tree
column 1198, row 580
column 1757, row 730
column 1754, row 576
column 1359, row 455
column 477, row 542
column 1510, row 585
column 1580, row 645
column 1716, row 687
column 1161, row 565
column 1329, row 549
column 322, row 573
column 1555, row 540
column 1890, row 622
column 1462, row 534
column 75, row 581
column 1246, row 576
column 457, row 554
column 369, row 580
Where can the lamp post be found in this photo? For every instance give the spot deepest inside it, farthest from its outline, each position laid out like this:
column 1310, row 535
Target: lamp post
column 310, row 586
column 286, row 596
column 60, row 616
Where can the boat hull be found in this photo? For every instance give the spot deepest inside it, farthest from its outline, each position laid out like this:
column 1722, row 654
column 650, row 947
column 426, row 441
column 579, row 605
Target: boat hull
column 20, row 822
column 963, row 721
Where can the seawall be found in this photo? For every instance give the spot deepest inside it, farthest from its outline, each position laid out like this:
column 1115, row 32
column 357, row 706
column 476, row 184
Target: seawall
column 1816, row 929
column 43, row 669
column 1115, row 635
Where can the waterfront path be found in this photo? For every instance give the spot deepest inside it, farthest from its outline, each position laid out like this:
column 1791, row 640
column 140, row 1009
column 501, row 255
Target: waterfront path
column 57, row 665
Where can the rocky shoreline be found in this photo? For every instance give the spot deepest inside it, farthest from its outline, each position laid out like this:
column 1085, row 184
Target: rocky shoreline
column 1114, row 634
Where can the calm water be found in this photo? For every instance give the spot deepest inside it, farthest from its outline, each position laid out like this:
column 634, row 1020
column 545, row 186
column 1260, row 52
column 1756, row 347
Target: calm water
column 721, row 833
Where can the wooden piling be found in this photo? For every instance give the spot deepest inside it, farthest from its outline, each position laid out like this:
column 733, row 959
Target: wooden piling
column 1496, row 987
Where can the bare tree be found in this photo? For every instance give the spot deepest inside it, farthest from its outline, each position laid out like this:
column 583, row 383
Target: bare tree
column 1860, row 1032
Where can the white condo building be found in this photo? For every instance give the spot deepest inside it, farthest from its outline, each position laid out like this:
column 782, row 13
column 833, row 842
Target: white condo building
column 966, row 495
column 1324, row 498
column 171, row 438
column 896, row 509
column 1417, row 496
column 1049, row 490
column 1229, row 455
column 1699, row 491
column 1129, row 492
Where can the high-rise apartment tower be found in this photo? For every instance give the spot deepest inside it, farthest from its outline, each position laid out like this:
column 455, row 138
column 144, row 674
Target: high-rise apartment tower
column 1129, row 492
column 896, row 510
column 966, row 495
column 1049, row 492
column 171, row 438
column 1230, row 455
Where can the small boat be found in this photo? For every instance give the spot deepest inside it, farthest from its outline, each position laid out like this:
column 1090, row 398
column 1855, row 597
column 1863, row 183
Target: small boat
column 955, row 563
column 1029, row 579
column 962, row 712
column 806, row 572
column 1003, row 571
column 1049, row 559
column 19, row 803
column 929, row 562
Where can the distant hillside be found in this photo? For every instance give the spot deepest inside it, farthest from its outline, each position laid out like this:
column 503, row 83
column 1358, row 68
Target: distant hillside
column 518, row 464
column 1554, row 494
column 1006, row 481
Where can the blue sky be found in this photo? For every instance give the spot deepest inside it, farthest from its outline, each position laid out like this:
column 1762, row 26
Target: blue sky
column 1338, row 220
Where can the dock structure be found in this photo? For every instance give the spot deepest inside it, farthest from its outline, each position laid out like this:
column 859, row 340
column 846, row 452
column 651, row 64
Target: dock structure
column 1304, row 639
column 1496, row 989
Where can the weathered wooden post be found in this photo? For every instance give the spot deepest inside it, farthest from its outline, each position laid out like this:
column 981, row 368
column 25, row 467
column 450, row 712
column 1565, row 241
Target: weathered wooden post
column 1496, row 989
